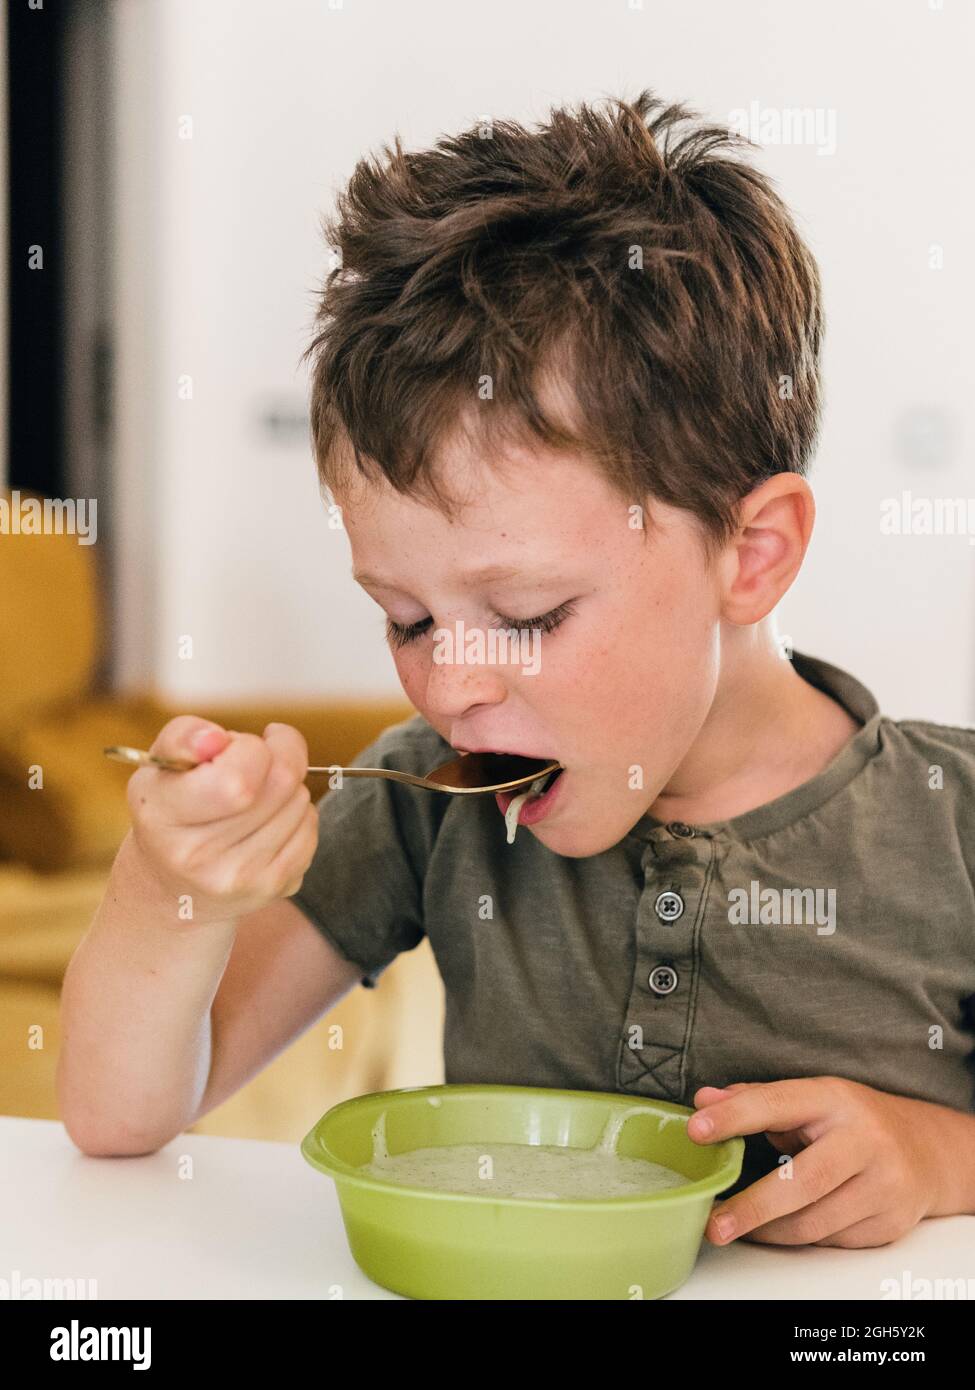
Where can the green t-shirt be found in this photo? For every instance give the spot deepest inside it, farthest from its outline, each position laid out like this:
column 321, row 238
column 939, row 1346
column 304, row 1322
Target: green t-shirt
column 828, row 932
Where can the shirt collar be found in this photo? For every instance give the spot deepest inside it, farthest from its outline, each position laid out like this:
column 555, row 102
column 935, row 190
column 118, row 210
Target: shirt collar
column 802, row 800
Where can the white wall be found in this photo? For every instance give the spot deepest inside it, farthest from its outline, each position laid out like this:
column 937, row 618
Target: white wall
column 218, row 255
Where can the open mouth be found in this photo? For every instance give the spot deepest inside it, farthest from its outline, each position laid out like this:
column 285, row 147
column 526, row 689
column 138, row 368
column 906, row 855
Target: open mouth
column 530, row 805
column 505, row 799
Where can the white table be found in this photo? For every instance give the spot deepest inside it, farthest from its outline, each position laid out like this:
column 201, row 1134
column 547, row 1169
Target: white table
column 255, row 1220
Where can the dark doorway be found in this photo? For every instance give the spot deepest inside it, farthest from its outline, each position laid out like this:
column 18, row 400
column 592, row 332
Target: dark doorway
column 35, row 357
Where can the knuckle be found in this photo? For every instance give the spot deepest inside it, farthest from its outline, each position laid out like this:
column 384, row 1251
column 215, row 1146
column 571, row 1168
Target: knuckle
column 281, row 780
column 770, row 1091
column 291, row 736
column 296, row 883
column 273, row 886
column 226, row 880
column 894, row 1175
column 808, row 1226
column 311, row 828
column 290, row 746
column 256, row 750
column 236, row 792
column 182, row 856
column 769, row 1094
column 300, row 853
column 816, row 1177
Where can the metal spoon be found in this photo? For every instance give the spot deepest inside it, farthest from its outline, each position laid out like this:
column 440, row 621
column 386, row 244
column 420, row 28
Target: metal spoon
column 471, row 773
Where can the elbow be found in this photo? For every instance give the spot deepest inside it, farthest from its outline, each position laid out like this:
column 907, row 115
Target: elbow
column 106, row 1143
column 99, row 1135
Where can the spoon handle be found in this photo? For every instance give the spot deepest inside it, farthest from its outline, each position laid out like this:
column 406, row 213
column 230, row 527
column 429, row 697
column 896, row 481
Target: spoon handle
column 138, row 757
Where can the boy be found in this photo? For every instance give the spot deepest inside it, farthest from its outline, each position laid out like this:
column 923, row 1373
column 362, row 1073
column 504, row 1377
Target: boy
column 566, row 382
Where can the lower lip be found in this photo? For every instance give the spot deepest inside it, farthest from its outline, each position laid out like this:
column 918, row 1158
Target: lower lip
column 535, row 809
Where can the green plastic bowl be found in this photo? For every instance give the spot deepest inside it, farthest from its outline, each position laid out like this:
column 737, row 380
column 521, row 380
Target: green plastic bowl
column 427, row 1243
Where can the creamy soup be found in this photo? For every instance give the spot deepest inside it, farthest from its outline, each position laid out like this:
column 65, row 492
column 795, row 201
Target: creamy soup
column 525, row 1170
column 547, row 1171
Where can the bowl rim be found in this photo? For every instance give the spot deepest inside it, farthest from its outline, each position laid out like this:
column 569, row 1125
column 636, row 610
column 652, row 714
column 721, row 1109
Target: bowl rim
column 320, row 1155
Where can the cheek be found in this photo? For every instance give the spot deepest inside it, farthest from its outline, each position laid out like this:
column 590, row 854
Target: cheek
column 411, row 667
column 657, row 671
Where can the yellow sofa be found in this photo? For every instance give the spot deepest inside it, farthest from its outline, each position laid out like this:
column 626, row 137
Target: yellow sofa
column 63, row 814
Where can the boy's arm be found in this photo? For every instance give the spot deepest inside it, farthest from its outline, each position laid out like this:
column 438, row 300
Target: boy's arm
column 160, row 1024
column 282, row 976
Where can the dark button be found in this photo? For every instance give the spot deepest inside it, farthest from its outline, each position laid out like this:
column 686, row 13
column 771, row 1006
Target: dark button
column 677, row 827
column 662, row 979
column 669, row 906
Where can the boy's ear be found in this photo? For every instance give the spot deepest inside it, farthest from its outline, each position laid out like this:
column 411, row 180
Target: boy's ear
column 761, row 561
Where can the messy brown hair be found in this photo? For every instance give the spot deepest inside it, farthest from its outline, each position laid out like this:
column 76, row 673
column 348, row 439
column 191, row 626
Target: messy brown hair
column 625, row 254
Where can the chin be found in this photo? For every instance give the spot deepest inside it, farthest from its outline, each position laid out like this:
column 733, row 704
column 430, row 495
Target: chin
column 576, row 844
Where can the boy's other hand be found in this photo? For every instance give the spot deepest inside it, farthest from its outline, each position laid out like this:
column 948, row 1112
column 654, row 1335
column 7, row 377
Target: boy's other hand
column 864, row 1166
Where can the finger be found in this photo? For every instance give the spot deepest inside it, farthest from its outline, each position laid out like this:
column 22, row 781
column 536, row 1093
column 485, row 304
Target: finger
column 711, row 1093
column 290, row 746
column 776, row 1105
column 707, row 1095
column 245, row 832
column 226, row 786
column 258, row 858
column 185, row 736
column 879, row 1229
column 189, row 736
column 294, row 859
column 810, row 1176
column 286, row 775
column 287, row 770
column 852, row 1204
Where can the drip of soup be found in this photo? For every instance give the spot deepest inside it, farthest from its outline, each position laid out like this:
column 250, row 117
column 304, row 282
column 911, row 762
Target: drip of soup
column 516, row 803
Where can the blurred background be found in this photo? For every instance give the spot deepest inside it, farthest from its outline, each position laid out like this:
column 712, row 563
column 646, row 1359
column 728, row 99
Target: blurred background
column 167, row 164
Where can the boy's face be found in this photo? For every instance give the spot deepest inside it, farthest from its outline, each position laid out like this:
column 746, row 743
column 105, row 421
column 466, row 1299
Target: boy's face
column 623, row 684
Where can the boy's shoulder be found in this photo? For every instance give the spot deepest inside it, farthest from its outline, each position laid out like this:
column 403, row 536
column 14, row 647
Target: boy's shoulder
column 927, row 737
column 925, row 757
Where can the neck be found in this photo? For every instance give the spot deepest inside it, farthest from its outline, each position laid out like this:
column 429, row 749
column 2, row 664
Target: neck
column 767, row 732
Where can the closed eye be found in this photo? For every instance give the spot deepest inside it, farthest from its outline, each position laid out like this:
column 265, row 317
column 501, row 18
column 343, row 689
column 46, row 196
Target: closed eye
column 399, row 634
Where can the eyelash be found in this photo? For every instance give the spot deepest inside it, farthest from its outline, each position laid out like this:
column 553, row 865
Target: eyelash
column 399, row 635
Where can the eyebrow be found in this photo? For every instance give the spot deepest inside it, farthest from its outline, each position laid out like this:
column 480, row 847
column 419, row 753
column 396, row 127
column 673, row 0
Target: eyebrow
column 485, row 575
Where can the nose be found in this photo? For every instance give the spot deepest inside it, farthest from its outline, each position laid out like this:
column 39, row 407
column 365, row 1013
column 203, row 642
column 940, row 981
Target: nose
column 454, row 686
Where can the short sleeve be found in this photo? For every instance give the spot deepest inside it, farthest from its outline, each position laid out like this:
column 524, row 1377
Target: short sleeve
column 364, row 887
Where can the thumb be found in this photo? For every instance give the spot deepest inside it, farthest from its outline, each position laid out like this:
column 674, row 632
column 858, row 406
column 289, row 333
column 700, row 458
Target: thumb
column 189, row 736
column 207, row 741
